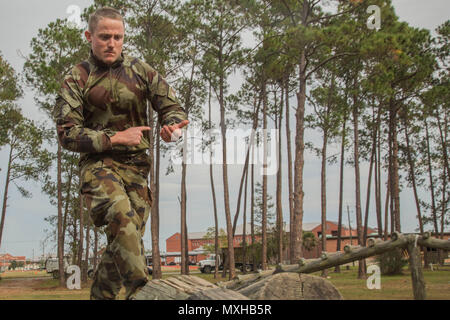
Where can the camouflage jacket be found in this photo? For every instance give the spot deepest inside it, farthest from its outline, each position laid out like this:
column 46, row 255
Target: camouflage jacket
column 97, row 100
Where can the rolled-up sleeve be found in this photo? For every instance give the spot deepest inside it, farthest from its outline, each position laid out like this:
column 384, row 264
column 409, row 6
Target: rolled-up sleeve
column 68, row 115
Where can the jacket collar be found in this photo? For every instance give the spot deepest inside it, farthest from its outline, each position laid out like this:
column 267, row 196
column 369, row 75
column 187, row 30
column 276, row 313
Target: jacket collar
column 95, row 61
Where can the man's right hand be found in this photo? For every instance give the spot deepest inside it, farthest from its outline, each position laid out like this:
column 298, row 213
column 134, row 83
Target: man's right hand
column 130, row 137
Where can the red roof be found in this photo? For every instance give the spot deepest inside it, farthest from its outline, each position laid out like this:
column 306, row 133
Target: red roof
column 7, row 257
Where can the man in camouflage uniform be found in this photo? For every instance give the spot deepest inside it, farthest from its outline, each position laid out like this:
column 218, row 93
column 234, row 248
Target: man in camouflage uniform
column 101, row 112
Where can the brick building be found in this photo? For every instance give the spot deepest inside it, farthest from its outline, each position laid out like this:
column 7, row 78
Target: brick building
column 197, row 241
column 6, row 259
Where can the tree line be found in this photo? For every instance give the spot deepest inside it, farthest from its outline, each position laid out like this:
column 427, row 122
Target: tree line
column 381, row 96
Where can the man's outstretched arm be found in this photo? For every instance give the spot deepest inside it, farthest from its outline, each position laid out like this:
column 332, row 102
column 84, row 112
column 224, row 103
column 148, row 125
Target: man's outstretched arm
column 172, row 117
column 172, row 133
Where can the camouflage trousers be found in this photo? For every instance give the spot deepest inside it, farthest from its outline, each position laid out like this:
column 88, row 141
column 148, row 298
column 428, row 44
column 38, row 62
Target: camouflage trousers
column 117, row 197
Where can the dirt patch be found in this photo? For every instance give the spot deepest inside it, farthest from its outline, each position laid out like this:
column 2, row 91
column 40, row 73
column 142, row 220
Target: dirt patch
column 10, row 287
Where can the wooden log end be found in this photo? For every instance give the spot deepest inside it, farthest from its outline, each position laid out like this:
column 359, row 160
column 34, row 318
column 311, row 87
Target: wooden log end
column 396, row 235
column 301, row 262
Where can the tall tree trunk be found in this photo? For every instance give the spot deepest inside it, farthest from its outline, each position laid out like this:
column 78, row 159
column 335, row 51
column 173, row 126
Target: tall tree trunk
column 256, row 108
column 86, row 255
column 432, row 187
column 391, row 176
column 216, row 222
column 297, row 232
column 430, row 174
column 444, row 210
column 361, row 264
column 230, row 239
column 154, row 212
column 445, row 174
column 289, row 161
column 75, row 246
column 5, row 193
column 386, row 208
column 244, row 231
column 279, row 186
column 156, row 255
column 67, row 200
column 341, row 188
column 184, row 234
column 412, row 177
column 349, row 225
column 323, row 172
column 95, row 247
column 323, row 197
column 378, row 178
column 60, row 229
column 213, row 192
column 395, row 189
column 391, row 206
column 252, row 212
column 81, row 234
column 184, row 243
column 369, row 186
column 369, row 182
column 264, row 179
column 443, row 137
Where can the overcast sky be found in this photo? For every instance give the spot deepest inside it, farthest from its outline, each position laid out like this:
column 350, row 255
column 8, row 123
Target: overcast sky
column 24, row 225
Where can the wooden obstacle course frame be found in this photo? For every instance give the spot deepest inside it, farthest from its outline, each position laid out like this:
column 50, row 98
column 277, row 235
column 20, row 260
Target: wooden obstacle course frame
column 409, row 242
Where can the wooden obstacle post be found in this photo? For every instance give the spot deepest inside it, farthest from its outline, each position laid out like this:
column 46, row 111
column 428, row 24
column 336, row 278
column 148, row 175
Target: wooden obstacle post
column 415, row 265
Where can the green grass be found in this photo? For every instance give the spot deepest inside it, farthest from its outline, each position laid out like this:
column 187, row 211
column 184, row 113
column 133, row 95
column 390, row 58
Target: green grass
column 23, row 274
column 398, row 287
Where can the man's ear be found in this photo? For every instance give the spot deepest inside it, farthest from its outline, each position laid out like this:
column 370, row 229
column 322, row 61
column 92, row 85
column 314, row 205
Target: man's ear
column 88, row 36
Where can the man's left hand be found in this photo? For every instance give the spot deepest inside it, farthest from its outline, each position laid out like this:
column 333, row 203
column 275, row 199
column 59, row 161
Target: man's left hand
column 173, row 133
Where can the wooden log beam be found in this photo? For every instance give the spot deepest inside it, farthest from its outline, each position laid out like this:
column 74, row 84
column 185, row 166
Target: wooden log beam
column 354, row 253
column 348, row 248
column 351, row 254
column 434, row 243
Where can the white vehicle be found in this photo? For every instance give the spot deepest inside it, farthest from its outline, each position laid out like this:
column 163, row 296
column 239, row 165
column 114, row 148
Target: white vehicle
column 52, row 266
column 207, row 265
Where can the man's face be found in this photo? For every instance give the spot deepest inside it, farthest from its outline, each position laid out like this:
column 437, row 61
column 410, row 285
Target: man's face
column 107, row 40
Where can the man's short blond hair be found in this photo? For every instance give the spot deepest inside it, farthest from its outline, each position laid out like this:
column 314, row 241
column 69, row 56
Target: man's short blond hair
column 104, row 12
